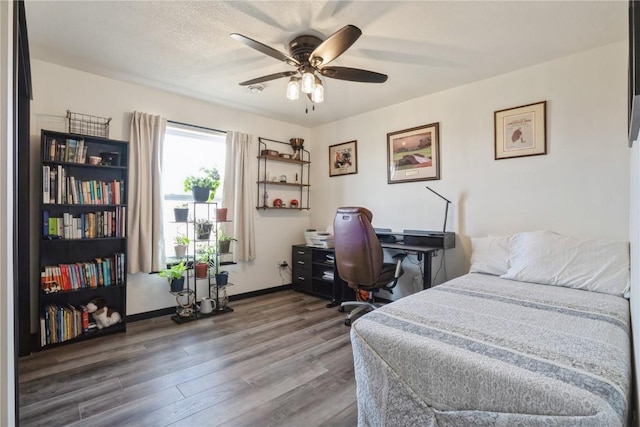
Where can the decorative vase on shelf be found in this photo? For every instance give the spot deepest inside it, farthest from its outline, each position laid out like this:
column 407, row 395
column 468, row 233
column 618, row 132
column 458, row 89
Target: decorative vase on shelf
column 297, row 145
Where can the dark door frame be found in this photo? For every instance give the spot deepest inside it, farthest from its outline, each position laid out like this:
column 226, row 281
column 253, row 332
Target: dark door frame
column 22, row 95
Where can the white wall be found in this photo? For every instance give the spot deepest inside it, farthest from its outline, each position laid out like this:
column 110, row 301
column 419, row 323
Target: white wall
column 580, row 187
column 58, row 89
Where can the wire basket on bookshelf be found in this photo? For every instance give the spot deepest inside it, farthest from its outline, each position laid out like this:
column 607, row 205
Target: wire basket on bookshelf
column 84, row 124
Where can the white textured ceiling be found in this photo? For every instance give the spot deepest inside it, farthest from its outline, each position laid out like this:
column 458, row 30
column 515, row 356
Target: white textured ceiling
column 424, row 47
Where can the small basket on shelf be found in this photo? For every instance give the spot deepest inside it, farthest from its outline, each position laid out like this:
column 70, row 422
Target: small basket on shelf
column 85, row 124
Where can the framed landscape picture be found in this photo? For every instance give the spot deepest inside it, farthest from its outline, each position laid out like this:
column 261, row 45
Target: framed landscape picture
column 413, row 154
column 521, row 131
column 343, row 158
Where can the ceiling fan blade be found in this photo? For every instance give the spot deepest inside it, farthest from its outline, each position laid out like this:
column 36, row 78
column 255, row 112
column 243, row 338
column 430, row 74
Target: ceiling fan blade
column 353, row 74
column 335, row 45
column 263, row 48
column 269, row 77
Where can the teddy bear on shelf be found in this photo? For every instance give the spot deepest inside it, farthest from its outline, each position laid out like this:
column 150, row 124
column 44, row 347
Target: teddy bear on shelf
column 103, row 316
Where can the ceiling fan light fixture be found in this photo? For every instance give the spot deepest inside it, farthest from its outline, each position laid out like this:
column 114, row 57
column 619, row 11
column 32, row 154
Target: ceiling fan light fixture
column 318, row 92
column 293, row 88
column 309, row 54
column 308, row 80
column 255, row 88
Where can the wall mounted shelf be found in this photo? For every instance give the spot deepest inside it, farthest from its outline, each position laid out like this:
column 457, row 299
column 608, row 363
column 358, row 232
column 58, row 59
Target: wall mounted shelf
column 286, row 191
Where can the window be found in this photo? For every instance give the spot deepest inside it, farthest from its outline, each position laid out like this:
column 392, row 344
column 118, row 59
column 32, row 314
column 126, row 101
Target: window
column 186, row 150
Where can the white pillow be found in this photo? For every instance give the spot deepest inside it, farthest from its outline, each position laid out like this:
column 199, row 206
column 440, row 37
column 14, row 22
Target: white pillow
column 489, row 255
column 552, row 259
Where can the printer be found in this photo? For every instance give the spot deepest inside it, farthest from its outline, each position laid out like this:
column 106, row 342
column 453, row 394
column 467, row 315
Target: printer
column 319, row 239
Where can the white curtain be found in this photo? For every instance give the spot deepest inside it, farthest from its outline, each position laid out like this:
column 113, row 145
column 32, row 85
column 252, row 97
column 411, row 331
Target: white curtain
column 145, row 237
column 238, row 194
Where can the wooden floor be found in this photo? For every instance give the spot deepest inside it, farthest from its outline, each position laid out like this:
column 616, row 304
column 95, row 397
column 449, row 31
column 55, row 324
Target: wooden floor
column 281, row 359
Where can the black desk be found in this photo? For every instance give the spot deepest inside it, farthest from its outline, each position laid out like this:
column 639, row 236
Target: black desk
column 310, row 264
column 313, row 271
column 422, row 243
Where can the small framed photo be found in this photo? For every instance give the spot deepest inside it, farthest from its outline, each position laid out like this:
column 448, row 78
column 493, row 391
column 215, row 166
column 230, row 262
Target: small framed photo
column 413, row 154
column 521, row 131
column 343, row 158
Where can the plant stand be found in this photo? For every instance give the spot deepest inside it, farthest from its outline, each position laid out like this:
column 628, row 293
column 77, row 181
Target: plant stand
column 202, row 273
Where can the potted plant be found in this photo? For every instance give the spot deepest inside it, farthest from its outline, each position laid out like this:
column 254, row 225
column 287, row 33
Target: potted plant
column 174, row 275
column 181, row 212
column 205, row 259
column 221, row 214
column 203, row 228
column 224, row 242
column 204, row 185
column 181, row 243
column 222, row 278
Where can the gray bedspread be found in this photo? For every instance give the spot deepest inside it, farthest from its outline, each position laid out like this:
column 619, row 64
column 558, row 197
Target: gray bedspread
column 484, row 351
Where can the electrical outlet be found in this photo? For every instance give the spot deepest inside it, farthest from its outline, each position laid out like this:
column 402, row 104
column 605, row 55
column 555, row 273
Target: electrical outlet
column 282, row 264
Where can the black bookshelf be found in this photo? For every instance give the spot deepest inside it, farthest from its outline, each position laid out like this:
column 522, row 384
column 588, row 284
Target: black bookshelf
column 83, row 245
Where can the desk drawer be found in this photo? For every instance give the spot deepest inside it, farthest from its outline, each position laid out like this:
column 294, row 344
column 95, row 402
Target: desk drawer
column 300, row 257
column 301, row 267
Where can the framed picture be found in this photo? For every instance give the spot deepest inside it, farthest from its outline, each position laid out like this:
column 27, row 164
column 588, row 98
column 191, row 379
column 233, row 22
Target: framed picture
column 343, row 158
column 521, row 131
column 413, row 154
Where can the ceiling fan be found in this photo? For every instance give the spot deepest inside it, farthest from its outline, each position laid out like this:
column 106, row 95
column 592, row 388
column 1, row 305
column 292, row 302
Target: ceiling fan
column 309, row 55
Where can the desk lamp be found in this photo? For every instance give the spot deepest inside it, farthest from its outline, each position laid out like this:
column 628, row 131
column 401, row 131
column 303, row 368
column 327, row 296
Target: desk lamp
column 446, row 209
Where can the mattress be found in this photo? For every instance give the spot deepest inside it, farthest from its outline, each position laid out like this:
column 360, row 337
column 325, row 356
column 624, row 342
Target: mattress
column 485, row 351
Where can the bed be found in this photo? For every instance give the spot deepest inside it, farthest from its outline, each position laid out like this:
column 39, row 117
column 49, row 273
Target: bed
column 492, row 349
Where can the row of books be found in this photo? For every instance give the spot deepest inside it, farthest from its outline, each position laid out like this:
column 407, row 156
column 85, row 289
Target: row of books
column 60, row 323
column 57, row 187
column 86, row 225
column 65, row 150
column 101, row 272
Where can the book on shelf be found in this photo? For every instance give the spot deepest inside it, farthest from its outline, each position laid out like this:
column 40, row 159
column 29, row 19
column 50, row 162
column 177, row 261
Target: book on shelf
column 59, row 323
column 90, row 225
column 67, row 150
column 46, row 183
column 62, row 188
column 53, row 185
column 45, row 223
column 70, row 153
column 101, row 272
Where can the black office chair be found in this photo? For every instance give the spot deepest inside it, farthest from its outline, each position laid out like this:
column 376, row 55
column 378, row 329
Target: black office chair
column 359, row 259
